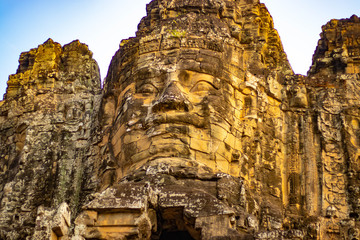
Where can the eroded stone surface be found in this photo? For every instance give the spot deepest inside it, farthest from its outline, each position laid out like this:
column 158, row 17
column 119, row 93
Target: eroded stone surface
column 190, row 89
column 202, row 131
column 46, row 124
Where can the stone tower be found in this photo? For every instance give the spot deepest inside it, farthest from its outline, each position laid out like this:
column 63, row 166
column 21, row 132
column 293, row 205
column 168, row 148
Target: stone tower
column 201, row 131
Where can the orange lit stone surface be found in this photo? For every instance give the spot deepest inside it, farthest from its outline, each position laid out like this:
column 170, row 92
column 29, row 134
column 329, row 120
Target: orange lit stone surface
column 201, row 131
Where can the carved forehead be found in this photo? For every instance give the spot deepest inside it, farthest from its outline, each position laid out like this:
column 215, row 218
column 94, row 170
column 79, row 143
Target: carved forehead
column 198, row 60
column 154, row 62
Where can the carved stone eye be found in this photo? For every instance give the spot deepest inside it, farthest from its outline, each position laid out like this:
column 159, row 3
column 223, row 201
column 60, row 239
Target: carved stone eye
column 147, row 89
column 201, row 87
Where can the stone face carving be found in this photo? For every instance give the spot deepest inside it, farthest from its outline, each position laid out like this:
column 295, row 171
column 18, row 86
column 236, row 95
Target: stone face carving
column 186, row 102
column 202, row 131
column 46, row 125
column 191, row 88
column 172, row 111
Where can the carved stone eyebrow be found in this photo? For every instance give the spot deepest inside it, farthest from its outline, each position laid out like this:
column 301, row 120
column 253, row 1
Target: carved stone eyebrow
column 202, row 81
column 214, row 81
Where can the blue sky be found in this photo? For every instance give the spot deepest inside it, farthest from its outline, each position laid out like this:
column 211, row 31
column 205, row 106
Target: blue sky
column 102, row 24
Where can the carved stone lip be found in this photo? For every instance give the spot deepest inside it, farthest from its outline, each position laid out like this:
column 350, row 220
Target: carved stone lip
column 176, row 118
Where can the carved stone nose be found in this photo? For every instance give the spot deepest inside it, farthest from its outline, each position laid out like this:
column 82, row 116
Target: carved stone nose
column 171, row 99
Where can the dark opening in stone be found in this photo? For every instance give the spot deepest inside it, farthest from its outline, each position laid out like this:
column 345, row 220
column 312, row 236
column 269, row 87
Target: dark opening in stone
column 176, row 235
